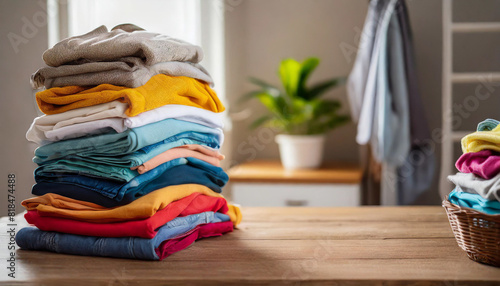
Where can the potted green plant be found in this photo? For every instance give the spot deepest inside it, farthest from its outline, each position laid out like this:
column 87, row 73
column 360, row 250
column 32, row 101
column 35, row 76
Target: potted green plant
column 299, row 113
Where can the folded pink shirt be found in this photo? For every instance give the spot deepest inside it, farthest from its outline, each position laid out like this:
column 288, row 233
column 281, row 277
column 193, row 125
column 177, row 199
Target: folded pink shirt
column 485, row 163
column 146, row 228
column 210, row 156
column 168, row 247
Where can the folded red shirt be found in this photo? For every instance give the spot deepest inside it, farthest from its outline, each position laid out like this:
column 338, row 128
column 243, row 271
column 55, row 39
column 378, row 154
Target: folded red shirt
column 146, row 228
column 168, row 247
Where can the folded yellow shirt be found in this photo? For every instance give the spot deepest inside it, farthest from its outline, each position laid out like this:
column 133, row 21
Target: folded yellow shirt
column 160, row 90
column 60, row 202
column 234, row 214
column 482, row 140
column 141, row 208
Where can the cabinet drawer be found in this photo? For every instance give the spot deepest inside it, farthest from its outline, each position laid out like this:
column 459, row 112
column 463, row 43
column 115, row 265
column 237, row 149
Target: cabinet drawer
column 308, row 195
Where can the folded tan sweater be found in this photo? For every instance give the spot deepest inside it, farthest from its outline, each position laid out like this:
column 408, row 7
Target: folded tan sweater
column 101, row 45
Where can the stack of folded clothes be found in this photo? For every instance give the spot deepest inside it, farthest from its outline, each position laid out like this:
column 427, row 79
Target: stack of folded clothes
column 478, row 182
column 129, row 163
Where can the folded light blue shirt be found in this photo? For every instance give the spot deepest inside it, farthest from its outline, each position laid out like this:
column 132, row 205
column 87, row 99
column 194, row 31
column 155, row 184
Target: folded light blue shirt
column 138, row 157
column 474, row 201
column 121, row 247
column 117, row 144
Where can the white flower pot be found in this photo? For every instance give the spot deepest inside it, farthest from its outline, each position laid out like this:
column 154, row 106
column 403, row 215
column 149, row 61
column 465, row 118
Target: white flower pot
column 300, row 151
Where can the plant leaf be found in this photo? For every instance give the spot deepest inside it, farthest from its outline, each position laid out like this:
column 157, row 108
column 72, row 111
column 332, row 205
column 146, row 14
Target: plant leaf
column 308, row 66
column 330, row 121
column 268, row 101
column 325, row 107
column 289, row 73
column 250, row 95
column 336, row 121
column 272, row 90
column 262, row 83
column 325, row 116
column 276, row 105
column 320, row 88
column 260, row 121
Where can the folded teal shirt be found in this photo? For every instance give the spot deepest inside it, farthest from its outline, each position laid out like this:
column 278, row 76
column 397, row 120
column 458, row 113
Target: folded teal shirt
column 82, row 168
column 118, row 144
column 487, row 125
column 118, row 167
column 100, row 162
column 474, row 201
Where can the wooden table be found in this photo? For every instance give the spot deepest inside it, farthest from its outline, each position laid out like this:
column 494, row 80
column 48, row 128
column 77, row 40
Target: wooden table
column 351, row 246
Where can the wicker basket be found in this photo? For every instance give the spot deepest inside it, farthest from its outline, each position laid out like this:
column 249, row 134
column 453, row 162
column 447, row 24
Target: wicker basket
column 476, row 233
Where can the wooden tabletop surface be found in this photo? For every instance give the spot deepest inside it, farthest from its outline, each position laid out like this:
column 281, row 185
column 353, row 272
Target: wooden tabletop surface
column 262, row 171
column 351, row 246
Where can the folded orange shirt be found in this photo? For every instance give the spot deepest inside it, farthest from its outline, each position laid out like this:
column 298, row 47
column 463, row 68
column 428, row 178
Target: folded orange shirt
column 144, row 207
column 60, row 202
column 160, row 90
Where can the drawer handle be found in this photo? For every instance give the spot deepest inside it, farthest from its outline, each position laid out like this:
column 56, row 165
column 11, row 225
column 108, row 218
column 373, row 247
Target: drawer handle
column 296, row 203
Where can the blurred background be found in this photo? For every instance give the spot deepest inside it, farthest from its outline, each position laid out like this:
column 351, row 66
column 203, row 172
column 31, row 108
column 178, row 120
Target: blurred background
column 249, row 38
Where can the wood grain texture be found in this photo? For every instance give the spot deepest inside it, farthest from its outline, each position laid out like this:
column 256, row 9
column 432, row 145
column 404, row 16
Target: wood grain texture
column 273, row 172
column 283, row 246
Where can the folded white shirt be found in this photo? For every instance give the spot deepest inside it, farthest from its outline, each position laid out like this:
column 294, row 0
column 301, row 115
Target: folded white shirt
column 104, row 117
column 85, row 128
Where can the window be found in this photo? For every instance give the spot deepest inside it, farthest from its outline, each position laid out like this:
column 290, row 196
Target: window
column 176, row 18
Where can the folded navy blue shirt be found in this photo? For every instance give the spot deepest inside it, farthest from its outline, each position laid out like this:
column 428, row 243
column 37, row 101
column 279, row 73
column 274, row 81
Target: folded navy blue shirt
column 89, row 189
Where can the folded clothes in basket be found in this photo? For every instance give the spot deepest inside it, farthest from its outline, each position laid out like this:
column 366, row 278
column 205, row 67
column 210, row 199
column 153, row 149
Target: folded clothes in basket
column 474, row 201
column 487, row 125
column 482, row 140
column 484, row 164
column 488, row 189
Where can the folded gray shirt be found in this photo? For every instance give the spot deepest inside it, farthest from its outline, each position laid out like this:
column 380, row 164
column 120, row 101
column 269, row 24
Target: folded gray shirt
column 101, row 45
column 129, row 72
column 469, row 183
